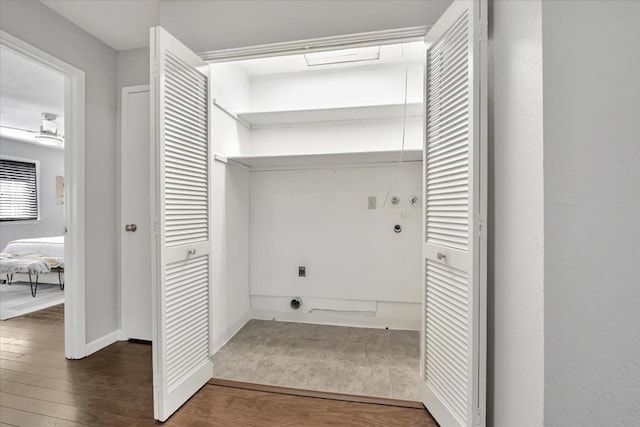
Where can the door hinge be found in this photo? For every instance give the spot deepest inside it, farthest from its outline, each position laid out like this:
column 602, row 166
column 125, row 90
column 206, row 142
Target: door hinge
column 479, row 417
column 155, row 68
column 480, row 227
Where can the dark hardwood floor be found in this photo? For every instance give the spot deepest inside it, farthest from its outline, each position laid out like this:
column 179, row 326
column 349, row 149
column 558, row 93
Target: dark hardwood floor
column 113, row 387
column 39, row 387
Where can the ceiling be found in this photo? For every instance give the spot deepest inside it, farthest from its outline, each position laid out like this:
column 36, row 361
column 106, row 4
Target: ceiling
column 27, row 89
column 122, row 24
column 220, row 24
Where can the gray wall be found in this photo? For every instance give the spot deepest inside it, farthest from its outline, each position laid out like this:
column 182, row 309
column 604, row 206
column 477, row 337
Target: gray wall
column 51, row 221
column 516, row 268
column 133, row 68
column 591, row 53
column 43, row 28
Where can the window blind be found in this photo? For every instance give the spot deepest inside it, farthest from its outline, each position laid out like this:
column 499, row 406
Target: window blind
column 18, row 191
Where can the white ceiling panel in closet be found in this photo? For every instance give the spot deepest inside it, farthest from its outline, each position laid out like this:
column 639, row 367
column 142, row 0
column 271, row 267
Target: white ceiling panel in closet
column 389, row 54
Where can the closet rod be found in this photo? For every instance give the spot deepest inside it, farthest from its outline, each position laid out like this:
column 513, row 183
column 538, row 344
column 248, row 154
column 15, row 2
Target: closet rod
column 230, row 114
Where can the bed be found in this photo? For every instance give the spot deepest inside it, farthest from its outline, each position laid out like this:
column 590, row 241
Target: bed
column 41, row 255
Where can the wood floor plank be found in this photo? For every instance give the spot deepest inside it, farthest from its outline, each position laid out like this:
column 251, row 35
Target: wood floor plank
column 15, row 402
column 29, row 368
column 39, row 380
column 35, row 360
column 50, row 409
column 113, row 420
column 28, row 419
column 33, row 344
column 249, row 408
column 40, row 393
column 20, row 349
column 64, row 412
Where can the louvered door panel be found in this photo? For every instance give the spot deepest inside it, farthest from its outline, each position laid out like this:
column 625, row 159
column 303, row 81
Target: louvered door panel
column 181, row 181
column 447, row 355
column 447, row 135
column 187, row 316
column 453, row 344
column 186, row 154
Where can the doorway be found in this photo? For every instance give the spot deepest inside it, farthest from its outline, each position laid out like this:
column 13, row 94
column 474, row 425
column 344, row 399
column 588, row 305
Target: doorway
column 69, row 192
column 322, row 193
column 452, row 342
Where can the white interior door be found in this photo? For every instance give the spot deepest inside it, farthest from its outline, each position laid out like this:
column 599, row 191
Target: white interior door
column 135, row 213
column 180, row 185
column 454, row 314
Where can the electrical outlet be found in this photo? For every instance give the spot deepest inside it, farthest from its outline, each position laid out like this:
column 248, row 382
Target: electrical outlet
column 302, row 271
column 372, row 202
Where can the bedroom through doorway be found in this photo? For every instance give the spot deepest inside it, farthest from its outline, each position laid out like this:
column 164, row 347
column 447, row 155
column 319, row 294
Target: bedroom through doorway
column 32, row 174
column 42, row 194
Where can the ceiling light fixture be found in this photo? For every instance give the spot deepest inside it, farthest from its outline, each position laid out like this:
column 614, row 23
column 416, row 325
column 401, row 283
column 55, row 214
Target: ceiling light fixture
column 47, row 135
column 53, row 141
column 49, row 125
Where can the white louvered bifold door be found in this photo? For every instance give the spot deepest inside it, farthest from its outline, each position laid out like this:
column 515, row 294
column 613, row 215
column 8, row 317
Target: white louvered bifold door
column 454, row 311
column 181, row 183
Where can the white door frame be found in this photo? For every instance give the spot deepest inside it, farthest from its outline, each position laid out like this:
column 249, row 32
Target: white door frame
column 74, row 192
column 122, row 288
column 320, row 44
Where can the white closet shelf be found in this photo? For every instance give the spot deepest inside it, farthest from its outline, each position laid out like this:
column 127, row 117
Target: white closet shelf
column 367, row 113
column 325, row 159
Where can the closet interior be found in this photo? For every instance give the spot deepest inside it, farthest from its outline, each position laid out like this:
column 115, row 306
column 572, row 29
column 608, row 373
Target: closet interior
column 317, row 220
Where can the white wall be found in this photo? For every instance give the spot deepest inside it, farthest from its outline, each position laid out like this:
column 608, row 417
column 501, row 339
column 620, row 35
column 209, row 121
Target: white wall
column 319, row 218
column 367, row 85
column 347, row 137
column 230, row 250
column 40, row 26
column 591, row 53
column 229, row 207
column 51, row 221
column 359, row 85
column 230, row 88
column 515, row 350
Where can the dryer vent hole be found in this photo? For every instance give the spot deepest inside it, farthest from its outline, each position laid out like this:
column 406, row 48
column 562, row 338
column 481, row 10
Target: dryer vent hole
column 296, row 303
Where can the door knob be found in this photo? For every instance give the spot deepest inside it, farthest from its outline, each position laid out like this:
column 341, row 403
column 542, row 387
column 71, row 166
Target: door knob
column 441, row 256
column 131, row 227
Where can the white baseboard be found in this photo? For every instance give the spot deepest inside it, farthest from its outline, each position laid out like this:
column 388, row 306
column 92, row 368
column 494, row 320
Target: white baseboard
column 337, row 319
column 229, row 333
column 103, row 342
column 340, row 312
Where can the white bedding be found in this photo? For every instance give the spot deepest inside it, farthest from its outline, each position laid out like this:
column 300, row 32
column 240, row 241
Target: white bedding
column 35, row 256
column 45, row 246
column 26, row 264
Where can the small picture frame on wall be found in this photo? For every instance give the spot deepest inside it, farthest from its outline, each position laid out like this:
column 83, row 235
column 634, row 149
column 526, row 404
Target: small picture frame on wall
column 59, row 190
